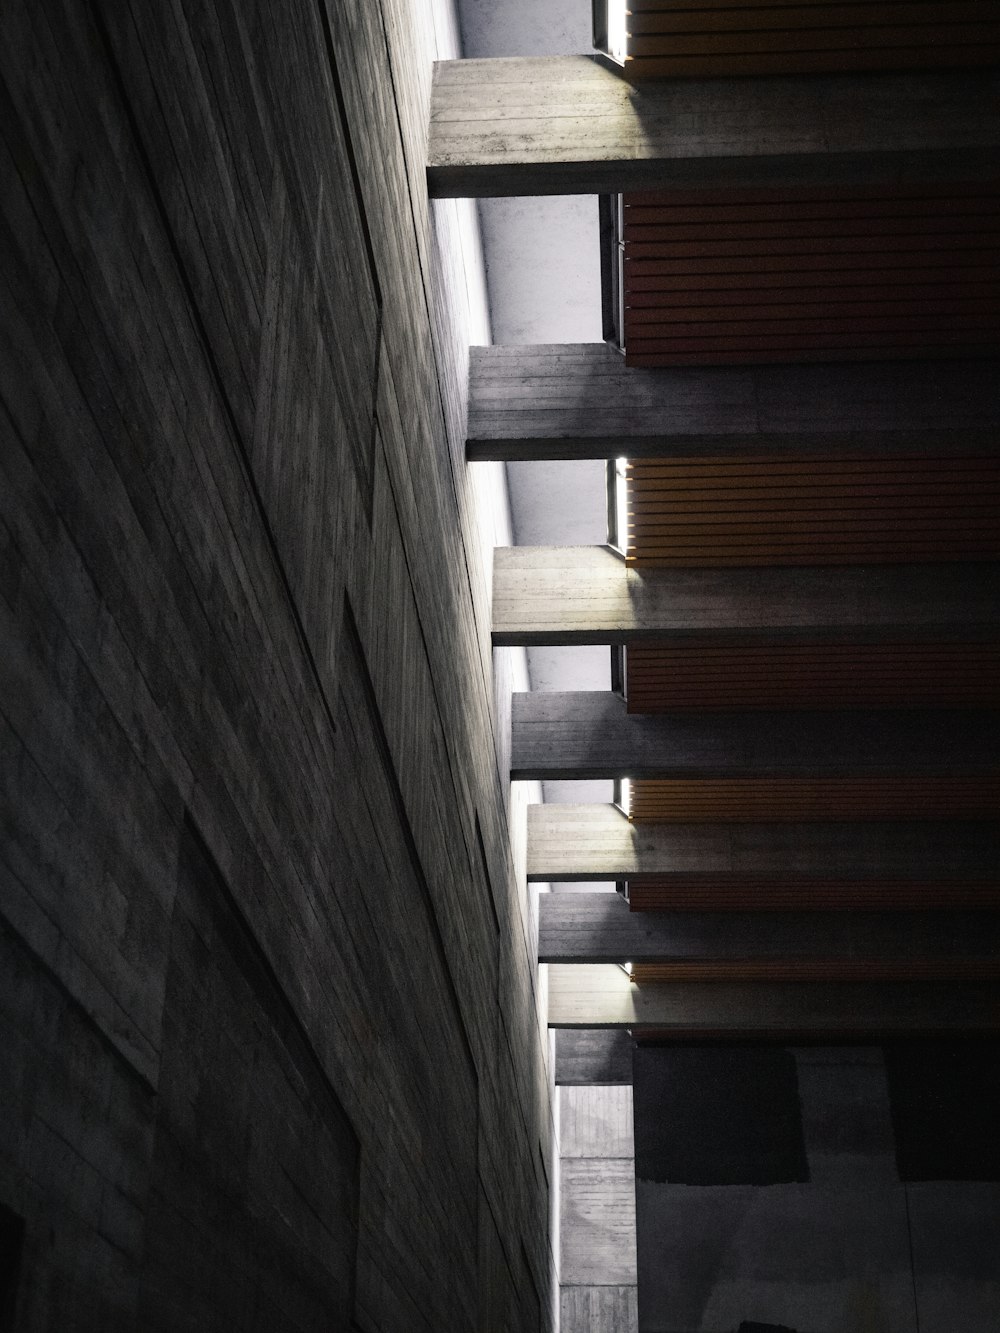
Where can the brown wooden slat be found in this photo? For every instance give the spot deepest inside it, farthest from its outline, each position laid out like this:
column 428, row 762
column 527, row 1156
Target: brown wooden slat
column 808, row 62
column 964, row 206
column 674, row 295
column 805, row 356
column 857, row 468
column 708, row 39
column 750, row 557
column 986, row 238
column 761, row 800
column 832, row 969
column 696, row 17
column 731, row 894
column 643, row 322
column 651, row 6
column 862, row 347
column 746, row 196
column 906, row 232
column 660, row 679
column 799, row 270
column 812, row 41
column 841, row 511
column 641, row 273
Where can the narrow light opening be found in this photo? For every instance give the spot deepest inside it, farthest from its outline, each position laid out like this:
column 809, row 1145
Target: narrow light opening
column 625, row 796
column 617, row 30
column 621, row 503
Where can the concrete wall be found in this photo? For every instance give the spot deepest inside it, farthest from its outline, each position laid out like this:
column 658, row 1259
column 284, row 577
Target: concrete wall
column 835, row 1243
column 271, row 1052
column 597, row 1210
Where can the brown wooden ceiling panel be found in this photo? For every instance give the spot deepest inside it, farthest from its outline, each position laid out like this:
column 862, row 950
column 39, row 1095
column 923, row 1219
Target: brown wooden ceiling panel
column 714, row 893
column 807, row 275
column 785, row 512
column 762, row 800
column 712, row 39
column 769, row 676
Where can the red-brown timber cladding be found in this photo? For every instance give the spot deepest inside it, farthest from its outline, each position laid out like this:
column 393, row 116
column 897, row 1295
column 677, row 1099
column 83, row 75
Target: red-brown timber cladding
column 781, row 511
column 744, row 276
column 762, row 800
column 661, row 679
column 729, row 893
column 715, row 38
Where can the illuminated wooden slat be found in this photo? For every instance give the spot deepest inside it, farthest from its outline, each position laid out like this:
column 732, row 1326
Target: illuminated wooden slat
column 858, row 347
column 706, row 40
column 756, row 800
column 905, row 675
column 783, row 892
column 714, row 512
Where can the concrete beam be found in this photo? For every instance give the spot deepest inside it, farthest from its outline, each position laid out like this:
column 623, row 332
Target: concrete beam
column 587, row 595
column 596, row 842
column 602, row 1057
column 574, row 125
column 583, row 996
column 589, row 734
column 600, row 928
column 570, row 401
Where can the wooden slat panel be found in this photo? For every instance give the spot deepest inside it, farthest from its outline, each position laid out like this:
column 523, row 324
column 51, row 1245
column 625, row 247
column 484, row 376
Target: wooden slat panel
column 759, row 800
column 786, row 315
column 862, row 347
column 813, row 511
column 813, row 62
column 711, row 41
column 898, row 675
column 651, row 6
column 791, row 893
column 694, row 16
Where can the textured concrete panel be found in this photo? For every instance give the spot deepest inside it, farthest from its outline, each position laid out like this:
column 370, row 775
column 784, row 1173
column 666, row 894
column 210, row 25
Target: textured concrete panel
column 596, row 1122
column 599, row 1310
column 597, row 1228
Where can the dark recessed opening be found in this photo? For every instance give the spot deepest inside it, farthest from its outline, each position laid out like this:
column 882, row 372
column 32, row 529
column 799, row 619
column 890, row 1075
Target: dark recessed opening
column 945, row 1099
column 11, row 1247
column 717, row 1115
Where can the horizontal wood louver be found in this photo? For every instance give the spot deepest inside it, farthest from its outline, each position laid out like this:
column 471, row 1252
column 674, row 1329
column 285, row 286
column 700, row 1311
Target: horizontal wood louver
column 761, row 800
column 717, row 38
column 743, row 276
column 819, row 969
column 869, row 675
column 717, row 512
column 715, row 893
